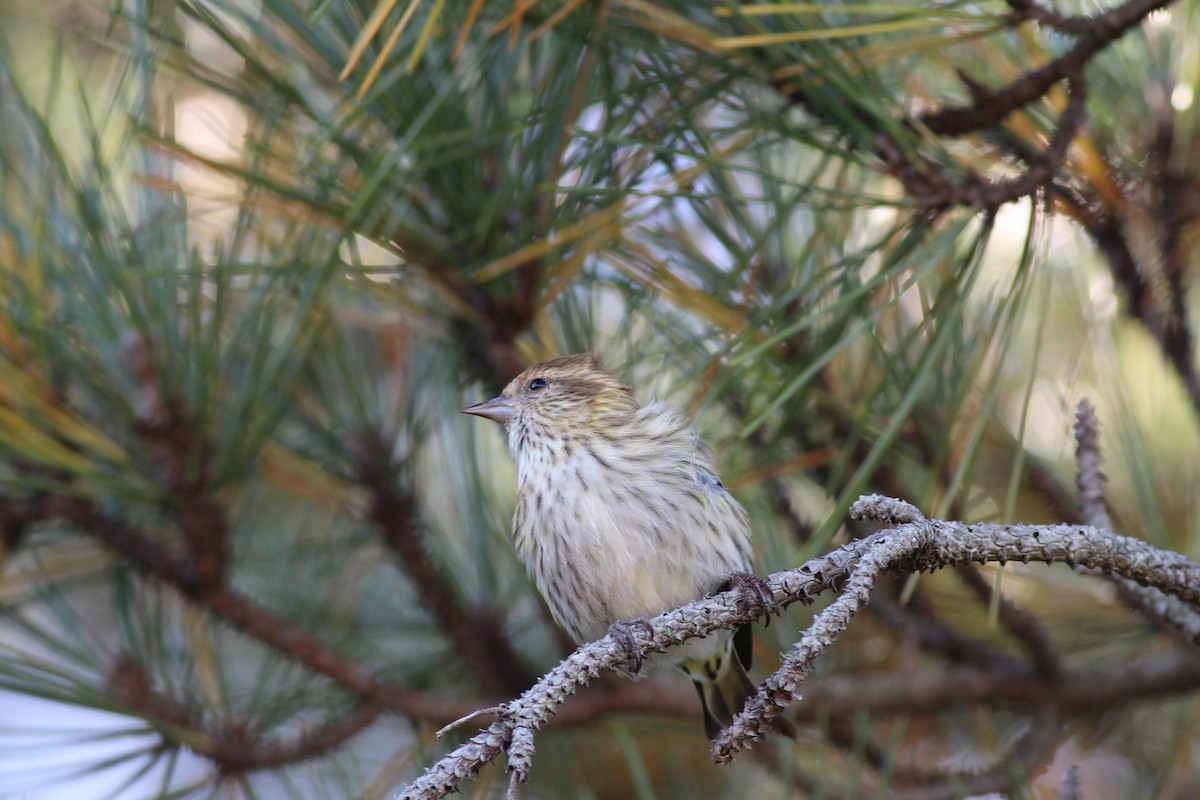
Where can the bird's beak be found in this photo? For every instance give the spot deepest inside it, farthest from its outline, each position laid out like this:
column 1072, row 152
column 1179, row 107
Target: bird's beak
column 497, row 410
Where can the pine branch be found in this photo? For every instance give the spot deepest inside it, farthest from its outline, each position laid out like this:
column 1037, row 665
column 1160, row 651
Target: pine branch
column 1094, row 34
column 233, row 748
column 478, row 636
column 913, row 545
column 929, row 186
column 1043, row 652
column 1170, row 613
column 923, row 692
column 251, row 619
column 916, row 620
column 1007, row 775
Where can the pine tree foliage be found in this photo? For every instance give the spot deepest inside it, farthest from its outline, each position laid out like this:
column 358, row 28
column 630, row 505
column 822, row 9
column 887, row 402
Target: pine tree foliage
column 256, row 256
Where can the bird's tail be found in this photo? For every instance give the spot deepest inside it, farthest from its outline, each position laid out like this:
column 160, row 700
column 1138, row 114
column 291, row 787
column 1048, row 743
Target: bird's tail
column 723, row 685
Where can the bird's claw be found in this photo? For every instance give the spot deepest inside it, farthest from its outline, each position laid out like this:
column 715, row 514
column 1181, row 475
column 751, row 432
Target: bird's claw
column 754, row 594
column 622, row 631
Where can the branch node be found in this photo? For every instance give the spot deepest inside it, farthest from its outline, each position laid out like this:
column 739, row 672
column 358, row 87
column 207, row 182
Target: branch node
column 885, row 509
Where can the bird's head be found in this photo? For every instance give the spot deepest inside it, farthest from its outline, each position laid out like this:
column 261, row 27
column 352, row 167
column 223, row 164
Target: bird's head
column 560, row 398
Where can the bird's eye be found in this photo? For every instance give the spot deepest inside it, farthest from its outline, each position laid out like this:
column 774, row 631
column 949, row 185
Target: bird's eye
column 537, row 383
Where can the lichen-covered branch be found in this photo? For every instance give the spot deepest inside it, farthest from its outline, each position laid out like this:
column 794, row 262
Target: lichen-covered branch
column 1089, row 477
column 1172, row 614
column 915, row 544
column 778, row 691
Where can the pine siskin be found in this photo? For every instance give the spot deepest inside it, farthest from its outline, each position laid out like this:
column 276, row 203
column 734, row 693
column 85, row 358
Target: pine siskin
column 621, row 515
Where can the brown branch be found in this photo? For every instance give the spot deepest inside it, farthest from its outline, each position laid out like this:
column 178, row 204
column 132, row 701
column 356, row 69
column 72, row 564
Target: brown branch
column 1155, row 292
column 129, row 685
column 907, row 693
column 1174, row 342
column 926, row 181
column 16, row 517
column 232, row 748
column 234, row 751
column 168, row 433
column 989, row 109
column 1113, row 20
column 1172, row 214
column 924, row 692
column 253, row 620
column 1156, row 297
column 917, row 619
column 929, row 186
column 205, row 532
column 1043, row 652
column 477, row 634
column 1010, row 772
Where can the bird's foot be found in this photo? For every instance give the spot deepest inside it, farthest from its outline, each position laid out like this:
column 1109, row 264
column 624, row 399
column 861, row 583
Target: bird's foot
column 622, row 631
column 754, row 594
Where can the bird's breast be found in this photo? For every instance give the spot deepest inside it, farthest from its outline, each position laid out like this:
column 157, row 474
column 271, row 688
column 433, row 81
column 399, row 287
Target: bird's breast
column 607, row 537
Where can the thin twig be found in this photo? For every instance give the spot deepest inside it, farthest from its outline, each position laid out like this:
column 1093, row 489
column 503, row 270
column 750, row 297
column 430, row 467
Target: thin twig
column 1089, row 474
column 465, row 718
column 1068, row 786
column 1173, row 615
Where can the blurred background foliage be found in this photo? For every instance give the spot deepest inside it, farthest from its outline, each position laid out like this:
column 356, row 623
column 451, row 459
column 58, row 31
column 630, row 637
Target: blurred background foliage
column 257, row 254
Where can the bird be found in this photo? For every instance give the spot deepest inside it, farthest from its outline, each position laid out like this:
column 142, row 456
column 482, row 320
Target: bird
column 621, row 516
